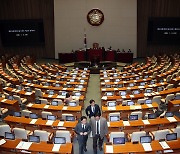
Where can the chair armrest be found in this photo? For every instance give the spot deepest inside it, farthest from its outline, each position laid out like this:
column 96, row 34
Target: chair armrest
column 152, row 135
column 128, row 137
column 51, row 135
column 30, row 133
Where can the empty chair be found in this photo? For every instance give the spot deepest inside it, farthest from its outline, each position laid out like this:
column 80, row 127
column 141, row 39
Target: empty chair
column 160, row 134
column 148, row 90
column 21, row 133
column 124, row 102
column 44, row 101
column 43, row 135
column 4, row 128
column 135, row 136
column 139, row 113
column 25, row 113
column 45, row 114
column 3, row 111
column 154, row 75
column 60, row 102
column 115, row 134
column 168, row 78
column 169, row 86
column 141, row 101
column 64, row 115
column 38, row 92
column 177, row 130
column 114, row 116
column 73, row 103
column 160, row 89
column 168, row 98
column 20, row 79
column 157, row 99
column 64, row 133
column 19, row 99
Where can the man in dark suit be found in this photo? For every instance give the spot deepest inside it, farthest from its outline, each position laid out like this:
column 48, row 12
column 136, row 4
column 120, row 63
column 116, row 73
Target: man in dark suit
column 99, row 129
column 92, row 109
column 82, row 130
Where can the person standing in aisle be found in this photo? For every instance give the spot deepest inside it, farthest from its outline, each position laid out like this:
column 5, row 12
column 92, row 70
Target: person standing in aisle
column 92, row 109
column 99, row 129
column 82, row 130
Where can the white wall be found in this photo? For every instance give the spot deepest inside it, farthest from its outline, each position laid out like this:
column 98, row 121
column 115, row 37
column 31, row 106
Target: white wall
column 118, row 30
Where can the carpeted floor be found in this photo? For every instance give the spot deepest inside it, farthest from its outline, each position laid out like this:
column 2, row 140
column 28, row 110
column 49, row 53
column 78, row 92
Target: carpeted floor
column 93, row 92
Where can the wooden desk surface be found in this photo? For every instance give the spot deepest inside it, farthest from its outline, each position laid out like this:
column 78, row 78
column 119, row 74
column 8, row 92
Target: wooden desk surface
column 129, row 108
column 142, row 95
column 130, row 147
column 55, row 108
column 39, row 122
column 52, row 87
column 37, row 147
column 140, row 122
column 10, row 104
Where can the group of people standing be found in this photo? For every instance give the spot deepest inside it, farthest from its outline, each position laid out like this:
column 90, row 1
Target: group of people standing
column 98, row 126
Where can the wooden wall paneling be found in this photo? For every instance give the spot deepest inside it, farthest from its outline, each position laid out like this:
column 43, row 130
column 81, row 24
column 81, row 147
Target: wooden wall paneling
column 154, row 8
column 31, row 9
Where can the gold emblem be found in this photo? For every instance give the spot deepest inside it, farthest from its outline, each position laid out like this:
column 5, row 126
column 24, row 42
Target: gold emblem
column 95, row 17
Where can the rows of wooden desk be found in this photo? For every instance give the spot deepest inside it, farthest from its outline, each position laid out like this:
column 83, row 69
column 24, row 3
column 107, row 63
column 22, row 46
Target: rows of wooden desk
column 40, row 123
column 146, row 125
column 56, row 110
column 10, row 145
column 129, row 147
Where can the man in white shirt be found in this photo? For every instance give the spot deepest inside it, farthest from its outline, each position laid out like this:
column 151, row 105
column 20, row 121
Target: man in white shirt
column 99, row 131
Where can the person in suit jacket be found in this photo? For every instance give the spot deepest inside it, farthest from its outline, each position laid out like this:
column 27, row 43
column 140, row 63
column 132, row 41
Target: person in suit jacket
column 92, row 109
column 99, row 129
column 82, row 130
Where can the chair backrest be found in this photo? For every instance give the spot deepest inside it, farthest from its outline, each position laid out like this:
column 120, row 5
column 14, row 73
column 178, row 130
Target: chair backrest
column 156, row 99
column 169, row 86
column 45, row 114
column 16, row 97
column 148, row 89
column 141, row 101
column 124, row 102
column 60, row 102
column 4, row 128
column 168, row 78
column 20, row 133
column 161, row 134
column 75, row 102
column 38, row 92
column 115, row 134
column 114, row 115
column 25, row 113
column 64, row 116
column 43, row 101
column 139, row 113
column 169, row 97
column 65, row 134
column 135, row 136
column 177, row 130
column 43, row 135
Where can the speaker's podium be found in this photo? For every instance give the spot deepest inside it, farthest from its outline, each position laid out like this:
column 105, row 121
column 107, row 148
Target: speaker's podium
column 95, row 55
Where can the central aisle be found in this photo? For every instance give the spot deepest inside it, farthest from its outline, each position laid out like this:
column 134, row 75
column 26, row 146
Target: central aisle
column 93, row 92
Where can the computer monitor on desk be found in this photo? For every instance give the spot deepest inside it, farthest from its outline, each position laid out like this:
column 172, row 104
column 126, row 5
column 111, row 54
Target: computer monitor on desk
column 33, row 138
column 59, row 140
column 119, row 140
column 133, row 117
column 145, row 139
column 114, row 118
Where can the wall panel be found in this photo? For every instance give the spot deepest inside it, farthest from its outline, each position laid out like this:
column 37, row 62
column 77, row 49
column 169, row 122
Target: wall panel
column 30, row 9
column 154, row 8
